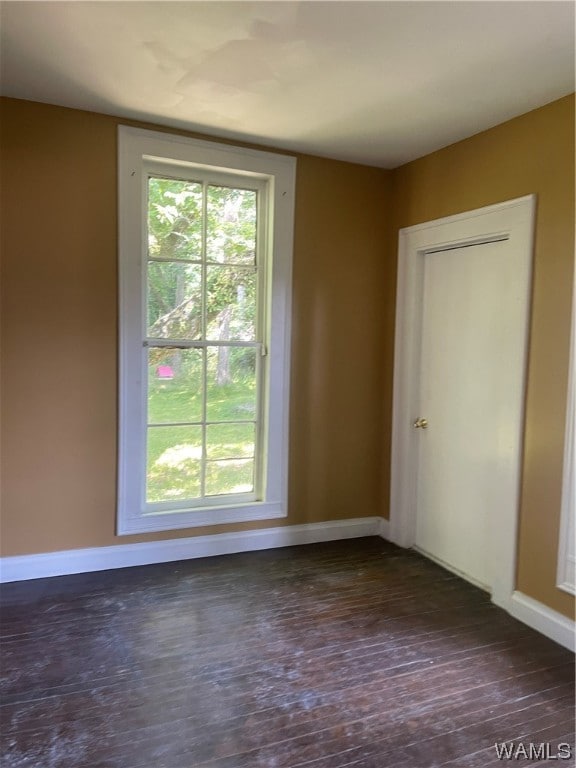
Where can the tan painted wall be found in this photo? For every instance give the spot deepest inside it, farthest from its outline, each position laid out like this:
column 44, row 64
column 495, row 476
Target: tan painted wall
column 532, row 153
column 59, row 329
column 59, row 324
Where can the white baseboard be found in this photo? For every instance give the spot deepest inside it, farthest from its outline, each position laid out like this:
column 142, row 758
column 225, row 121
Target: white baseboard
column 24, row 567
column 554, row 625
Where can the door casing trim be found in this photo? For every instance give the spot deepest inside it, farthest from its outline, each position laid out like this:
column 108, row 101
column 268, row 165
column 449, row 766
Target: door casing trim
column 566, row 574
column 480, row 225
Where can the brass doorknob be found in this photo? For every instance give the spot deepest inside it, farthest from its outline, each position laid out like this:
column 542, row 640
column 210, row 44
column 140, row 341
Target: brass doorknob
column 420, row 424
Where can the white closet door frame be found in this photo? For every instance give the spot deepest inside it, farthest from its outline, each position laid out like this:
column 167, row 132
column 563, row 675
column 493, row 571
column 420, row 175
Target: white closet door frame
column 513, row 220
column 566, row 577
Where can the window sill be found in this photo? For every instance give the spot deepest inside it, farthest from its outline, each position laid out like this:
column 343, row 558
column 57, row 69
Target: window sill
column 170, row 521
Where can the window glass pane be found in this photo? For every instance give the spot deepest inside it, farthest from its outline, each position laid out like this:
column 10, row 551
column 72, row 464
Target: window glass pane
column 174, row 385
column 229, row 441
column 232, row 476
column 231, row 383
column 174, row 300
column 231, row 225
column 174, row 463
column 230, row 303
column 174, row 219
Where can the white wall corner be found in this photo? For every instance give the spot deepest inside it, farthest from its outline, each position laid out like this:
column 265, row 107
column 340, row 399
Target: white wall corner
column 548, row 622
column 384, row 528
column 25, row 567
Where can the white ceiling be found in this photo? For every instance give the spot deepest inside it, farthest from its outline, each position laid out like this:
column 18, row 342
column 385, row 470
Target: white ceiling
column 371, row 82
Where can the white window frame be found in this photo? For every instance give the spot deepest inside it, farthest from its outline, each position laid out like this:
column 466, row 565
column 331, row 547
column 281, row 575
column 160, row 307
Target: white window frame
column 138, row 151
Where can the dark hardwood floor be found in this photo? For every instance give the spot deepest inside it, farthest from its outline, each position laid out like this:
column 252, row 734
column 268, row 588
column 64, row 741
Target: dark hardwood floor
column 351, row 653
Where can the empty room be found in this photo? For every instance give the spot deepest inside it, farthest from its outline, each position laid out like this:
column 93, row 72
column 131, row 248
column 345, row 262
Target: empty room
column 287, row 384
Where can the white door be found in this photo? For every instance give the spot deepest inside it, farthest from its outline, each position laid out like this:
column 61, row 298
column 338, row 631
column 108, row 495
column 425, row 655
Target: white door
column 462, row 322
column 466, row 342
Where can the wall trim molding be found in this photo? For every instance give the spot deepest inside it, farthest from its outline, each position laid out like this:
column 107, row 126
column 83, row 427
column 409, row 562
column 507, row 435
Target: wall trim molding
column 25, row 567
column 548, row 622
column 566, row 574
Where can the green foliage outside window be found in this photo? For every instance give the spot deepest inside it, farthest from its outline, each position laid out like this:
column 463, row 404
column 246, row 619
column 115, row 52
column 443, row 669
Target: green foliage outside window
column 201, row 293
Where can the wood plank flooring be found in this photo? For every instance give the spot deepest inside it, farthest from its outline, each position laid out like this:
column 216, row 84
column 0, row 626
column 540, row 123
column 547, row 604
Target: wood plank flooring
column 332, row 655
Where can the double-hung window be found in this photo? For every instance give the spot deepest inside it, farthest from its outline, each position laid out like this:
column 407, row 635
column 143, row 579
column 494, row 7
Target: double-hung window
column 205, row 233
